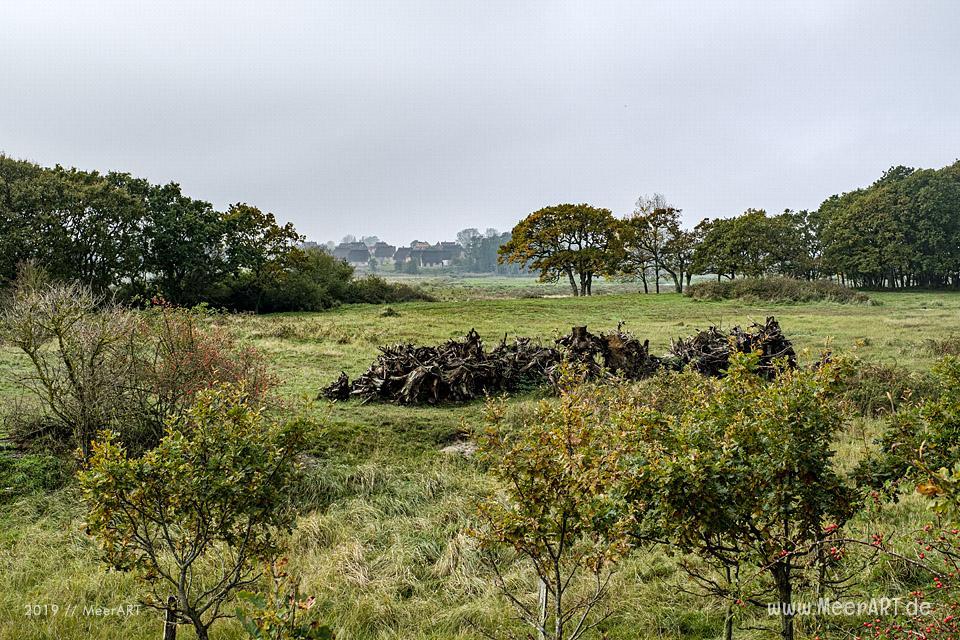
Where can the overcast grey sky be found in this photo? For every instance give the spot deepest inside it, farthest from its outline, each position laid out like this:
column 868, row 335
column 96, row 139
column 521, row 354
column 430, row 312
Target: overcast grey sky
column 414, row 119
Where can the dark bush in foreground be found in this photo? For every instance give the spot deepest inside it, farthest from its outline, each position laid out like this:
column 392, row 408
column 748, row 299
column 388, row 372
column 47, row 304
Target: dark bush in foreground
column 776, row 290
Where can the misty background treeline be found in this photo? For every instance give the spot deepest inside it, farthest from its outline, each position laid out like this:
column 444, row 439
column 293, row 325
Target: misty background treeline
column 473, row 251
column 139, row 241
column 902, row 231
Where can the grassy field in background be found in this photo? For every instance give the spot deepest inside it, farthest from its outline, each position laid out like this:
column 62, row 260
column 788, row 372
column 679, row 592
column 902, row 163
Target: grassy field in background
column 465, row 286
column 383, row 544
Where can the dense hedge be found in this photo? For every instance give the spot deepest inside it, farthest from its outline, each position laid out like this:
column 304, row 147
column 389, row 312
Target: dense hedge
column 316, row 281
column 375, row 290
column 776, row 289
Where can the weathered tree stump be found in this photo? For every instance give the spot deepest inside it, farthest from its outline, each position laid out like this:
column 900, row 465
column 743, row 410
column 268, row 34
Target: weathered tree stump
column 170, row 619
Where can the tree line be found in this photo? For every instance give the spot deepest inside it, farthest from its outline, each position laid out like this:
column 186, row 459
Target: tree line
column 902, row 231
column 140, row 241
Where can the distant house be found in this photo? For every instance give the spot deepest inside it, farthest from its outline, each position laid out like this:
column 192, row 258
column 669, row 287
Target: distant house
column 383, row 251
column 358, row 257
column 442, row 254
column 423, row 254
column 452, row 250
column 428, row 257
column 356, row 253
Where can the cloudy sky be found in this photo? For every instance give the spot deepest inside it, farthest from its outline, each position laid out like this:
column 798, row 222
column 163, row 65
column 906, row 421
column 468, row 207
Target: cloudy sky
column 414, row 119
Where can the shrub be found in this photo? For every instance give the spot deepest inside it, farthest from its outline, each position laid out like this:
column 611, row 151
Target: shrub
column 561, row 508
column 776, row 289
column 920, row 437
column 738, row 470
column 182, row 355
column 313, row 281
column 873, row 390
column 373, row 289
column 82, row 351
column 196, row 514
column 96, row 365
column 745, row 475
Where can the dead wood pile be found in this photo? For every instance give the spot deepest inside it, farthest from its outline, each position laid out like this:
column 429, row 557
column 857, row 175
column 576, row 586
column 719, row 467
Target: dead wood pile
column 708, row 352
column 460, row 370
column 617, row 353
column 624, row 355
column 454, row 371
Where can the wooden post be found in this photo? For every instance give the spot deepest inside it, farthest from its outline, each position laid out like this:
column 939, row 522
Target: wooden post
column 170, row 620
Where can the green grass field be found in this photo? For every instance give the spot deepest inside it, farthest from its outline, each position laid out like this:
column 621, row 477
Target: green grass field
column 458, row 286
column 383, row 544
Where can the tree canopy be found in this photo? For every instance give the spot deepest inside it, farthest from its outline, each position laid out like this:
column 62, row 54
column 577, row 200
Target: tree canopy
column 572, row 240
column 123, row 235
column 137, row 241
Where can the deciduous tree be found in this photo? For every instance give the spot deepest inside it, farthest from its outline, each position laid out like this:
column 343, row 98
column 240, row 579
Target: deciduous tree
column 573, row 240
column 198, row 514
column 745, row 473
column 562, row 508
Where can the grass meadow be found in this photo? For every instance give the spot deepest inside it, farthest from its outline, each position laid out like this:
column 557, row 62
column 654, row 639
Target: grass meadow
column 383, row 543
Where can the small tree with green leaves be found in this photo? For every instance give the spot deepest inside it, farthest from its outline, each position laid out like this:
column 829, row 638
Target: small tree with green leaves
column 745, row 475
column 198, row 514
column 561, row 509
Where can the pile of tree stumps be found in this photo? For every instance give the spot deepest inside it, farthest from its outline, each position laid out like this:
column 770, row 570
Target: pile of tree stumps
column 708, row 352
column 625, row 356
column 454, row 371
column 460, row 370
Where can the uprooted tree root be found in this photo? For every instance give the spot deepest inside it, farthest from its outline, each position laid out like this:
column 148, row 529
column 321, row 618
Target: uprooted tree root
column 708, row 352
column 460, row 370
column 457, row 370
